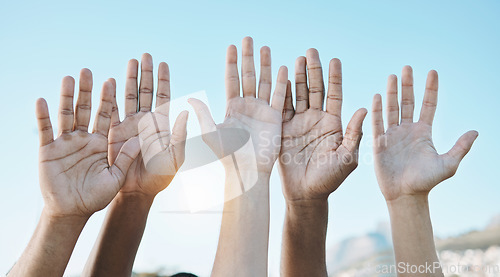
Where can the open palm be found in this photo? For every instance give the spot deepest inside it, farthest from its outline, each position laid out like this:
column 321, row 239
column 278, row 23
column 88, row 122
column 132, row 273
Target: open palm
column 406, row 162
column 155, row 176
column 251, row 118
column 75, row 176
column 315, row 156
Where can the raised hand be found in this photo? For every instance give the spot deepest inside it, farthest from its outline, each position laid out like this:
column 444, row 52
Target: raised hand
column 248, row 144
column 406, row 162
column 315, row 156
column 75, row 176
column 162, row 153
column 250, row 113
column 154, row 179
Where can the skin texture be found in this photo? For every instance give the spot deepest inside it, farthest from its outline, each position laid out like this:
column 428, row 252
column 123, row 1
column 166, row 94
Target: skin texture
column 76, row 178
column 408, row 167
column 315, row 159
column 116, row 247
column 244, row 231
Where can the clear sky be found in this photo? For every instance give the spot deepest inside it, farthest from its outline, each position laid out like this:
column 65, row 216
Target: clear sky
column 42, row 41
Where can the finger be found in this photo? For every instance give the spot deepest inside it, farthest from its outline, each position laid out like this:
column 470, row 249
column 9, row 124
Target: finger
column 280, row 91
column 334, row 96
column 232, row 79
column 301, row 90
column 44, row 126
column 115, row 115
column 354, row 131
column 103, row 117
column 128, row 153
column 179, row 132
column 207, row 123
column 146, row 85
column 288, row 110
column 163, row 93
column 315, row 75
column 265, row 81
column 178, row 141
column 84, row 102
column 392, row 101
column 453, row 158
column 407, row 96
column 248, row 68
column 377, row 118
column 66, row 105
column 430, row 98
column 131, row 88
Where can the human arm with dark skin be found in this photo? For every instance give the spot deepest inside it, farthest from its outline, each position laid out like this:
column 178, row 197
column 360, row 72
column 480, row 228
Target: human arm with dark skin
column 116, row 247
column 76, row 178
column 244, row 234
column 408, row 166
column 315, row 159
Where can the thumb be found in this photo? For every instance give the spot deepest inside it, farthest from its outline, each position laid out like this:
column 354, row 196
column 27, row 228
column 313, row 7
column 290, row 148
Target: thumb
column 453, row 157
column 354, row 131
column 207, row 123
column 178, row 140
column 128, row 154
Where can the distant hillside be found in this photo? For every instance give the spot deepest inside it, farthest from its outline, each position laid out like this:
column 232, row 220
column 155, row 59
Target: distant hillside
column 360, row 256
column 354, row 250
column 472, row 240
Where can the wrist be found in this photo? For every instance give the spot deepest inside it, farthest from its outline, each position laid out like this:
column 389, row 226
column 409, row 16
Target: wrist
column 72, row 222
column 248, row 178
column 134, row 198
column 240, row 183
column 408, row 202
column 305, row 209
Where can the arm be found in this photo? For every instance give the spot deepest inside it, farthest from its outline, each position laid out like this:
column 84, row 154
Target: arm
column 412, row 233
column 76, row 179
column 243, row 238
column 50, row 247
column 304, row 237
column 408, row 167
column 315, row 159
column 116, row 247
column 248, row 144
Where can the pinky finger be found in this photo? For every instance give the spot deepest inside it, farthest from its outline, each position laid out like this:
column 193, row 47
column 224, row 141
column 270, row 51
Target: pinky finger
column 103, row 117
column 288, row 110
column 44, row 125
column 278, row 101
column 377, row 118
column 115, row 115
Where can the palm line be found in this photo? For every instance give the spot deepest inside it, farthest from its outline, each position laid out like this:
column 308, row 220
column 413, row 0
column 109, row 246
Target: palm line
column 67, row 155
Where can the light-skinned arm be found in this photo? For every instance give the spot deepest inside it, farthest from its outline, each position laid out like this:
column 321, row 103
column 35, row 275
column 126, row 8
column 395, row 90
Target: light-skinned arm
column 76, row 178
column 315, row 159
column 252, row 120
column 116, row 247
column 408, row 167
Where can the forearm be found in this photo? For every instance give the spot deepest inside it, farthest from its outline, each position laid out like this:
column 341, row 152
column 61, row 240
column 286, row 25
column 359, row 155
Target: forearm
column 244, row 236
column 413, row 237
column 116, row 247
column 304, row 235
column 50, row 248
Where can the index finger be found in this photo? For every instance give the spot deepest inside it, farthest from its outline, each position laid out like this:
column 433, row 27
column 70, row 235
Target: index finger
column 334, row 96
column 430, row 98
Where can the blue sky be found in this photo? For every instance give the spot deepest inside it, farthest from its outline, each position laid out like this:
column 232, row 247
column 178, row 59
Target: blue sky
column 44, row 41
